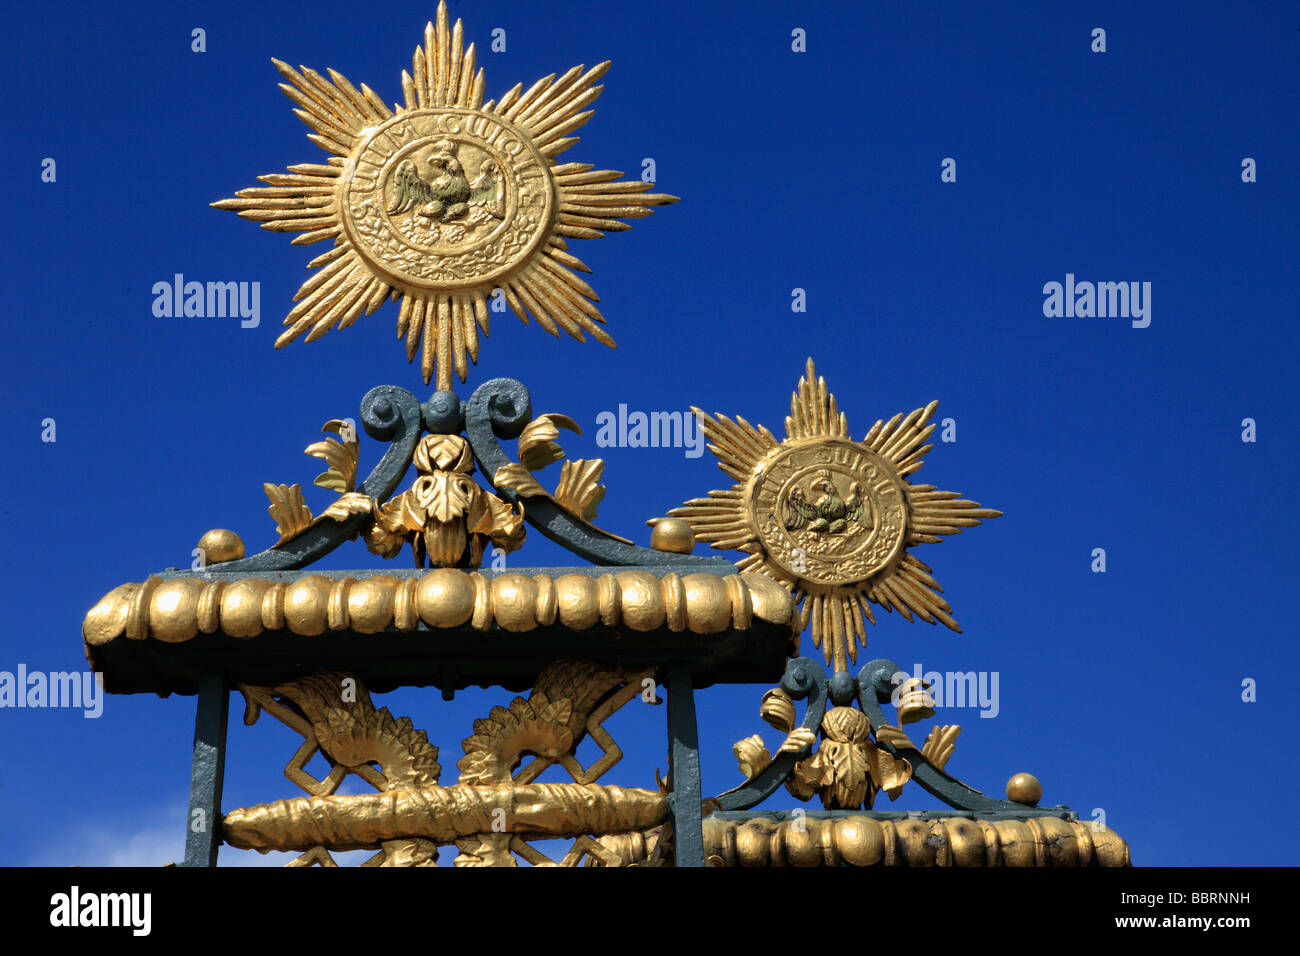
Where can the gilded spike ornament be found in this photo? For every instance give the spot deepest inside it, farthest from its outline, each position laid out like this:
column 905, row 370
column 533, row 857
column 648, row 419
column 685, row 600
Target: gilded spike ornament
column 442, row 201
column 830, row 518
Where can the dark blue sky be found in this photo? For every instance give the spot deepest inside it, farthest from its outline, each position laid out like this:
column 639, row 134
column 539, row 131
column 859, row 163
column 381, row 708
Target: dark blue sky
column 817, row 170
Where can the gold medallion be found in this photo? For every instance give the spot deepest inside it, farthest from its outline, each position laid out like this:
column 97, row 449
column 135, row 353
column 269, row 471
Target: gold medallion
column 829, row 512
column 830, row 518
column 445, row 202
column 448, row 199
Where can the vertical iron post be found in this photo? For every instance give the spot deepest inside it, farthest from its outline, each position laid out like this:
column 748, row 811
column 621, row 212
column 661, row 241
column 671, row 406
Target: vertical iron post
column 203, row 822
column 684, row 761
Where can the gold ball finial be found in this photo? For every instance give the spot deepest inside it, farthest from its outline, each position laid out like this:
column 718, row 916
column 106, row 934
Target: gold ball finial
column 220, row 545
column 672, row 534
column 1024, row 788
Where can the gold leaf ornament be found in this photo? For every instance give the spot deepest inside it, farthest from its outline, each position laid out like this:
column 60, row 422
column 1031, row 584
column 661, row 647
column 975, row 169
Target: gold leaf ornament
column 751, row 756
column 777, row 710
column 580, row 491
column 342, row 457
column 288, row 510
column 940, row 744
column 537, row 443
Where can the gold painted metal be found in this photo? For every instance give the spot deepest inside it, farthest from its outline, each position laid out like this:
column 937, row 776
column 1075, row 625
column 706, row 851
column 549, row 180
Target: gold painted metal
column 176, row 610
column 850, row 766
column 914, row 701
column 579, row 491
column 832, row 519
column 949, row 841
column 1024, row 788
column 442, row 200
column 671, row 534
column 860, row 840
column 445, row 517
column 220, row 545
column 492, row 813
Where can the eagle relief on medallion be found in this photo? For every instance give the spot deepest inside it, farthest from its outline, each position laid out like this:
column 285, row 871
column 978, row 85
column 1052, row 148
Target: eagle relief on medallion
column 448, row 198
column 829, row 512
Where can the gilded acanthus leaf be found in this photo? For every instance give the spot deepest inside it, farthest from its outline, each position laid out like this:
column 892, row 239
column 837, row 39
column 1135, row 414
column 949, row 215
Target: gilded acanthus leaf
column 515, row 477
column 342, row 457
column 886, row 734
column 288, row 510
column 891, row 773
column 751, row 756
column 537, row 445
column 800, row 741
column 777, row 709
column 846, row 725
column 940, row 745
column 844, row 775
column 580, row 491
column 351, row 503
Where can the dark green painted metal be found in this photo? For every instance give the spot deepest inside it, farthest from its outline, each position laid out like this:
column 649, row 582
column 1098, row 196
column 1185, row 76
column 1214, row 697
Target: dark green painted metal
column 803, row 677
column 389, row 414
column 499, row 409
column 875, row 686
column 684, row 762
column 203, row 822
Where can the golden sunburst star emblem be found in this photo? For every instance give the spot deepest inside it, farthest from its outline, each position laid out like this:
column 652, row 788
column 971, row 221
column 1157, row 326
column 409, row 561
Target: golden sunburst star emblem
column 443, row 201
column 830, row 518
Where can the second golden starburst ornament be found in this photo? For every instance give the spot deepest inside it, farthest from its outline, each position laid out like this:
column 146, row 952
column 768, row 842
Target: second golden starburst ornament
column 830, row 518
column 442, row 201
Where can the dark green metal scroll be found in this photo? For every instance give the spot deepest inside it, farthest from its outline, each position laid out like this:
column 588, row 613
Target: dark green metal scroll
column 388, row 414
column 500, row 409
column 803, row 677
column 875, row 685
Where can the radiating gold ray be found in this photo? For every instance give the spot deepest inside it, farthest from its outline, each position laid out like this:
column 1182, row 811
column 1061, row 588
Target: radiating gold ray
column 577, row 175
column 444, row 333
column 451, row 73
column 551, row 264
column 367, row 109
column 836, row 614
column 481, row 315
column 458, row 344
column 469, row 330
column 565, row 98
column 580, row 311
column 529, row 302
column 813, row 413
column 738, row 446
column 522, row 102
column 419, row 79
column 370, row 297
column 340, row 251
column 557, row 308
column 316, row 235
column 427, row 357
column 349, row 306
column 516, row 306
